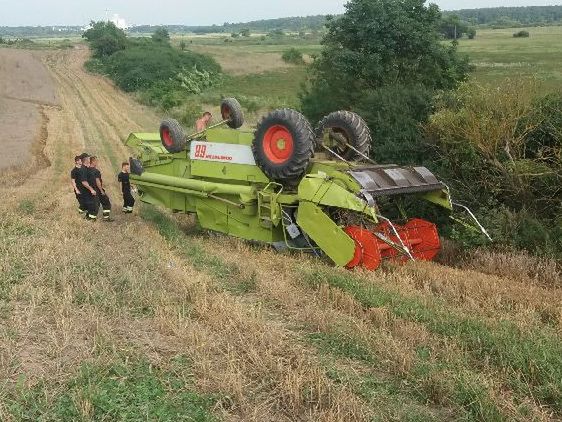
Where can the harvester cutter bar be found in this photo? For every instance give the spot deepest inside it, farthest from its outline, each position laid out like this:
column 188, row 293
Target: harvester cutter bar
column 394, row 180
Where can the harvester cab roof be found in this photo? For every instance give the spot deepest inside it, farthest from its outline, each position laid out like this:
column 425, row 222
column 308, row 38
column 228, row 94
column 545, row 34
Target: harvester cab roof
column 292, row 186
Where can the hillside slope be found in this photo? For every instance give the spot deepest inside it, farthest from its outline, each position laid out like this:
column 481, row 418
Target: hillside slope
column 148, row 317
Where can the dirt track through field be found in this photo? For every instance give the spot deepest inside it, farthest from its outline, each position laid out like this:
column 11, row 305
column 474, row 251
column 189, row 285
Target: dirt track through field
column 262, row 331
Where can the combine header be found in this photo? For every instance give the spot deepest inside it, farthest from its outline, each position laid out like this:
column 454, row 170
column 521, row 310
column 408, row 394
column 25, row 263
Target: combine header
column 291, row 186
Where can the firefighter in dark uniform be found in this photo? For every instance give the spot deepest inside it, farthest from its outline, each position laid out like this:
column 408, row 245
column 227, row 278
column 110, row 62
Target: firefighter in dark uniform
column 87, row 192
column 123, row 178
column 74, row 175
column 102, row 197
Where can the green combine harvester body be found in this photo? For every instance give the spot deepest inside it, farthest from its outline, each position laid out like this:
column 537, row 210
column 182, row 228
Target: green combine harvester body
column 214, row 175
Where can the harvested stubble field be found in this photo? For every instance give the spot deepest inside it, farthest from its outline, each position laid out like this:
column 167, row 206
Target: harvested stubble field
column 26, row 91
column 149, row 318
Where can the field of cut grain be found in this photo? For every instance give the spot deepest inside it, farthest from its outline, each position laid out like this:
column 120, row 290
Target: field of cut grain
column 148, row 318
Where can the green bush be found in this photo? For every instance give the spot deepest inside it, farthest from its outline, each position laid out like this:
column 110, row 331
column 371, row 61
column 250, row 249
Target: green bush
column 105, row 39
column 522, row 34
column 189, row 113
column 95, row 65
column 501, row 150
column 195, row 81
column 163, row 76
column 293, row 56
column 141, row 67
column 161, row 35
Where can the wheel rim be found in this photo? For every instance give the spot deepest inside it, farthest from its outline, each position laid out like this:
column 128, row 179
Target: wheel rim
column 167, row 137
column 225, row 112
column 278, row 144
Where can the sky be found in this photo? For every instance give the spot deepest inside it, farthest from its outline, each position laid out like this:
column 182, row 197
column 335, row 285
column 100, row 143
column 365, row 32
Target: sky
column 191, row 12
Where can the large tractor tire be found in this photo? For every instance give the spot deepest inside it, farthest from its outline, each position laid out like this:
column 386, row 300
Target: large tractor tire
column 136, row 166
column 283, row 146
column 345, row 127
column 172, row 136
column 231, row 110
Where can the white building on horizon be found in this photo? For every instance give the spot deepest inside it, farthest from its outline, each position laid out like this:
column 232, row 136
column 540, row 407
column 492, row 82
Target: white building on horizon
column 119, row 22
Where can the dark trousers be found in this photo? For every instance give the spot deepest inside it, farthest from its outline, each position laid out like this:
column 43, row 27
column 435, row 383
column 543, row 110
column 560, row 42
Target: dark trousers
column 81, row 205
column 104, row 201
column 128, row 200
column 91, row 203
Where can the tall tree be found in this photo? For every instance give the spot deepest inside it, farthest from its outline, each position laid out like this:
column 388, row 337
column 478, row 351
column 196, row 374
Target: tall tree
column 105, row 38
column 161, row 35
column 384, row 58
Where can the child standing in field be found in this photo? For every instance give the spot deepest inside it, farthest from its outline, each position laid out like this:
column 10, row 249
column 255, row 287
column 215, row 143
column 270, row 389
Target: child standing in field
column 123, row 178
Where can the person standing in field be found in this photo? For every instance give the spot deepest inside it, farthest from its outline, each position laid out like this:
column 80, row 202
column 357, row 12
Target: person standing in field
column 74, row 176
column 202, row 123
column 101, row 194
column 87, row 192
column 123, row 178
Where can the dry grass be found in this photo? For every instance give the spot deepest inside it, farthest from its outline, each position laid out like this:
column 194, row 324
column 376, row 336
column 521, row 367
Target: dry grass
column 519, row 266
column 93, row 293
column 391, row 341
column 238, row 61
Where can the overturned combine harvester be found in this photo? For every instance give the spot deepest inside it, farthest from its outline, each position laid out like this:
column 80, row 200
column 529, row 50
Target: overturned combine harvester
column 290, row 186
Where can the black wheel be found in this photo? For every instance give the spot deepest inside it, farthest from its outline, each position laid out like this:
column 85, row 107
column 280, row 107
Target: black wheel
column 283, row 145
column 345, row 127
column 172, row 136
column 231, row 110
column 136, row 166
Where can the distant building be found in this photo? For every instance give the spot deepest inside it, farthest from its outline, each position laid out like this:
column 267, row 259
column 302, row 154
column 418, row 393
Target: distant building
column 119, row 22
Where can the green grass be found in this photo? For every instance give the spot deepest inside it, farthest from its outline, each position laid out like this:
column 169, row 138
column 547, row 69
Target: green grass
column 198, row 257
column 498, row 55
column 392, row 403
column 273, row 89
column 495, row 53
column 127, row 390
column 343, row 345
column 531, row 361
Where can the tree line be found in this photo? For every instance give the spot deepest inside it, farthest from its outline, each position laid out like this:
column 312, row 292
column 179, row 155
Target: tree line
column 466, row 19
column 511, row 16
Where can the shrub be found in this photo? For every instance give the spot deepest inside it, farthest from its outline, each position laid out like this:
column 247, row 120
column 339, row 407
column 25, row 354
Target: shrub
column 293, row 56
column 189, row 113
column 154, row 95
column 276, row 33
column 251, row 104
column 194, row 81
column 161, row 35
column 141, row 67
column 501, row 148
column 105, row 39
column 95, row 65
column 521, row 34
column 395, row 114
